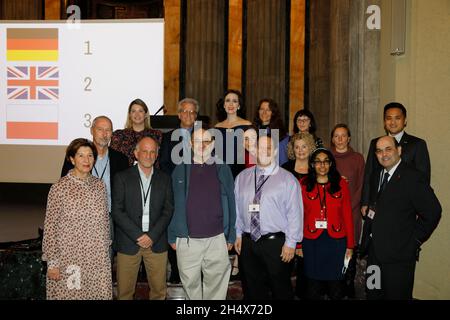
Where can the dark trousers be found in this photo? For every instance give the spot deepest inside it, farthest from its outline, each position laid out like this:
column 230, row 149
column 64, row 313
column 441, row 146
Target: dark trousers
column 397, row 279
column 317, row 289
column 300, row 283
column 267, row 277
column 174, row 274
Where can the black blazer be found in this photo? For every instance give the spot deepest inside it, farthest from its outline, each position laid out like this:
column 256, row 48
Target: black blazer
column 406, row 214
column 414, row 153
column 117, row 162
column 127, row 210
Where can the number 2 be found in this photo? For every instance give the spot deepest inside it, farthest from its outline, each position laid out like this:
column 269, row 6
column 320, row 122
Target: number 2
column 88, row 81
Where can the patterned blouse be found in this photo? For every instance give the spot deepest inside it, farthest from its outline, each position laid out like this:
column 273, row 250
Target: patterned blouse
column 76, row 239
column 124, row 141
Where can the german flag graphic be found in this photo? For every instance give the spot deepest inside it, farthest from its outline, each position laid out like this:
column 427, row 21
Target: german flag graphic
column 37, row 44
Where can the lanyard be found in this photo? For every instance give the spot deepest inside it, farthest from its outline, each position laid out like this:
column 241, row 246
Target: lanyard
column 104, row 169
column 257, row 189
column 145, row 195
column 323, row 202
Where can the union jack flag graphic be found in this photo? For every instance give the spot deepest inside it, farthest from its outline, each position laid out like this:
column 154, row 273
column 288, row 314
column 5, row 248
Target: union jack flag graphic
column 33, row 83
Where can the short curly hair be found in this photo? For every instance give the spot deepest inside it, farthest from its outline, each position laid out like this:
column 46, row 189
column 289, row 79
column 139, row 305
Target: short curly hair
column 307, row 137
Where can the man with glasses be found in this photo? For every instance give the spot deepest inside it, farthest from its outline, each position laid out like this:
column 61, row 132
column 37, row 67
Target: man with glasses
column 202, row 230
column 176, row 145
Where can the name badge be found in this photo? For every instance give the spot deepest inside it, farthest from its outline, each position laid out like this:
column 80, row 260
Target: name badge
column 371, row 214
column 321, row 224
column 253, row 208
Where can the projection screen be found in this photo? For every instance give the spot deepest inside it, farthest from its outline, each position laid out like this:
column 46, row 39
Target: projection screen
column 57, row 77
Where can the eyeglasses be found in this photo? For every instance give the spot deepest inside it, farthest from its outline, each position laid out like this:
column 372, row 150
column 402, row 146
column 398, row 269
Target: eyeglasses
column 189, row 112
column 303, row 120
column 319, row 163
column 202, row 141
column 232, row 100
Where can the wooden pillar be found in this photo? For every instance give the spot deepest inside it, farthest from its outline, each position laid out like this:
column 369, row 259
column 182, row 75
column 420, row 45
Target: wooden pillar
column 297, row 59
column 235, row 45
column 172, row 10
column 52, row 9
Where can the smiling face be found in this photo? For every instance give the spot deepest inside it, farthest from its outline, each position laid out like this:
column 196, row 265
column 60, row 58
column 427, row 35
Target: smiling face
column 231, row 103
column 387, row 153
column 322, row 164
column 301, row 150
column 146, row 152
column 187, row 115
column 102, row 132
column 265, row 114
column 202, row 144
column 266, row 151
column 137, row 114
column 303, row 123
column 394, row 121
column 83, row 161
column 341, row 139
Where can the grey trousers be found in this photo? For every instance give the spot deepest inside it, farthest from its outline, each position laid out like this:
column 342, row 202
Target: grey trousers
column 207, row 256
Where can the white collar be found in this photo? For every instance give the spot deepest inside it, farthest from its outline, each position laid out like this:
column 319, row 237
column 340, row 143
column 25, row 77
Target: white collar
column 398, row 136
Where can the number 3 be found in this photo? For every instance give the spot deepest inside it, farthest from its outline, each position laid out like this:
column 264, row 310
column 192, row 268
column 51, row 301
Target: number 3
column 88, row 122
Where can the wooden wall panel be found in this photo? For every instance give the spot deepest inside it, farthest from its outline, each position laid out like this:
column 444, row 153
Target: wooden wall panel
column 205, row 53
column 22, row 9
column 265, row 65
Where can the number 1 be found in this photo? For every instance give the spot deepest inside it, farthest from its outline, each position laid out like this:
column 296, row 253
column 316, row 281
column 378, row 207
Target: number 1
column 88, row 47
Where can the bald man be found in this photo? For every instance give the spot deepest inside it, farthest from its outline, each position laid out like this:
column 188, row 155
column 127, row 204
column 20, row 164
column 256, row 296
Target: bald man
column 142, row 209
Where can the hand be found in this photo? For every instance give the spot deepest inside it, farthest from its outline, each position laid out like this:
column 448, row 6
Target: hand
column 144, row 241
column 173, row 245
column 299, row 252
column 349, row 253
column 237, row 245
column 364, row 210
column 229, row 246
column 54, row 274
column 287, row 253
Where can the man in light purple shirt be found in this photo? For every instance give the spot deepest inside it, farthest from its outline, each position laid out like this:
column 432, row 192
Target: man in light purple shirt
column 269, row 223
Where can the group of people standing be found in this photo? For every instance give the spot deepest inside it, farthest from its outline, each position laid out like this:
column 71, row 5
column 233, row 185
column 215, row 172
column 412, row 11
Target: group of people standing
column 193, row 194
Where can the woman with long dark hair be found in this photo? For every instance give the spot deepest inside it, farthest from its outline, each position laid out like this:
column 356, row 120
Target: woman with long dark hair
column 268, row 117
column 304, row 121
column 230, row 112
column 328, row 238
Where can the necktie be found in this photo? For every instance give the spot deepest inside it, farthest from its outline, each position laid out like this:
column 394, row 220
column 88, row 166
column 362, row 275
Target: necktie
column 255, row 223
column 383, row 184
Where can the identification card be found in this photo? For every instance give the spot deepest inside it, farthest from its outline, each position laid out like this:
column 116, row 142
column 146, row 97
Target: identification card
column 371, row 214
column 321, row 224
column 253, row 208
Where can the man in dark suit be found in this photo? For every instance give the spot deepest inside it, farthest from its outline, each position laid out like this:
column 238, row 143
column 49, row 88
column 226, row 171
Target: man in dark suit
column 403, row 213
column 142, row 209
column 108, row 163
column 414, row 150
column 187, row 113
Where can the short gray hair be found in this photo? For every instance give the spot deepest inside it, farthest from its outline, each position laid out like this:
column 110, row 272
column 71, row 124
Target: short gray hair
column 190, row 101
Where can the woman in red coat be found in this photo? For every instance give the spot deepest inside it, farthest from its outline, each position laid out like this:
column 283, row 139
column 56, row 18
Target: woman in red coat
column 328, row 238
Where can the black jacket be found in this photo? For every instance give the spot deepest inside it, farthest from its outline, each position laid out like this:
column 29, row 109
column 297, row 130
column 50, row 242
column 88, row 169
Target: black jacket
column 414, row 153
column 127, row 210
column 406, row 214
